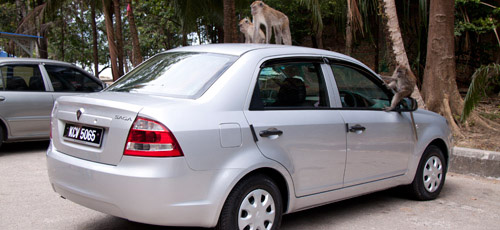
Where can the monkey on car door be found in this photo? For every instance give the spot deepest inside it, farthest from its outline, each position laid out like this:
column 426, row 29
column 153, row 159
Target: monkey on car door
column 403, row 82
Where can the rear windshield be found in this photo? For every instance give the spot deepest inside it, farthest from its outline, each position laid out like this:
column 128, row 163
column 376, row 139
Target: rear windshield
column 175, row 74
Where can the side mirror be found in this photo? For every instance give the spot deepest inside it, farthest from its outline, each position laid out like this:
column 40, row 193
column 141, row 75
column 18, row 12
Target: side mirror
column 408, row 104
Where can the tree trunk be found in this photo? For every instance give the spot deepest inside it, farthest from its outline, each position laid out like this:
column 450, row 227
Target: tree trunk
column 119, row 37
column 348, row 30
column 21, row 11
column 63, row 28
column 220, row 34
column 95, row 52
column 82, row 36
column 440, row 87
column 230, row 34
column 184, row 36
column 136, row 49
column 319, row 38
column 398, row 45
column 43, row 43
column 113, row 53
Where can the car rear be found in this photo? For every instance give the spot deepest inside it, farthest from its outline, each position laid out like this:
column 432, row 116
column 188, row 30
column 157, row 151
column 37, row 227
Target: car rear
column 119, row 151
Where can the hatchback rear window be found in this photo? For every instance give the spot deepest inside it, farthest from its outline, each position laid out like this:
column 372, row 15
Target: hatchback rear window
column 175, row 74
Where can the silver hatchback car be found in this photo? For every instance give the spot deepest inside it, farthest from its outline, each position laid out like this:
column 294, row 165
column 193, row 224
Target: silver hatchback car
column 28, row 89
column 233, row 136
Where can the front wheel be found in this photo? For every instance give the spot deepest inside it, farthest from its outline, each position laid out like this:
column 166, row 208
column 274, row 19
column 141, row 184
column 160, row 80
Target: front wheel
column 254, row 204
column 430, row 176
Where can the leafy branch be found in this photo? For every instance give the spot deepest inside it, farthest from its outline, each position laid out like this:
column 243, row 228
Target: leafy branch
column 483, row 78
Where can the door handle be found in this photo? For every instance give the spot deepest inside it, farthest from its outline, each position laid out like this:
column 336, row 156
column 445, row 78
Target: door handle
column 2, row 98
column 357, row 128
column 270, row 132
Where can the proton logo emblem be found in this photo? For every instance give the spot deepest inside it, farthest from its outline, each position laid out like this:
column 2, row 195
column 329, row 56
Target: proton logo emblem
column 79, row 113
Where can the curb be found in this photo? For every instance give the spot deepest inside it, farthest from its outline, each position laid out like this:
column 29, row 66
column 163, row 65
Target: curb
column 474, row 161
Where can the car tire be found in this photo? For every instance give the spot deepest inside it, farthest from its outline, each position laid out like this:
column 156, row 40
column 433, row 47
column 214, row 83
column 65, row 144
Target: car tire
column 1, row 135
column 254, row 203
column 431, row 174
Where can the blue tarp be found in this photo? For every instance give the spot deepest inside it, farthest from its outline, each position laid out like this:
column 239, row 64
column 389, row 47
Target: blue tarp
column 7, row 34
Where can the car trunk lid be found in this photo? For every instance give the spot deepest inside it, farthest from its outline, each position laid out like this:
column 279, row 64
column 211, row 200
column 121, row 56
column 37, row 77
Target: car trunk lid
column 95, row 127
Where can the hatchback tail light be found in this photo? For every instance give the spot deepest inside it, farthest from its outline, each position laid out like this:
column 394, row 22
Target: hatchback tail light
column 149, row 138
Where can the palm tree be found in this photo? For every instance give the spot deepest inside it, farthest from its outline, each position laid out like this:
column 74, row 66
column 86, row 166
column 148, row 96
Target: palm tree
column 230, row 33
column 36, row 22
column 190, row 11
column 353, row 23
column 481, row 79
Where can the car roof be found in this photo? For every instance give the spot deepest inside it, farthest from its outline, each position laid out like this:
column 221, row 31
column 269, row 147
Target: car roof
column 31, row 60
column 239, row 49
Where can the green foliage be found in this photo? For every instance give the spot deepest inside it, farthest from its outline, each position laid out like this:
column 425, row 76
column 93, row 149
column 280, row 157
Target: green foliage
column 474, row 16
column 483, row 80
column 479, row 26
column 70, row 36
column 466, row 1
column 7, row 22
column 8, row 17
column 158, row 27
column 303, row 20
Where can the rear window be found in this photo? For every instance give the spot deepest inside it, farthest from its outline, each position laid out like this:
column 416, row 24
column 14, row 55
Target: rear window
column 176, row 74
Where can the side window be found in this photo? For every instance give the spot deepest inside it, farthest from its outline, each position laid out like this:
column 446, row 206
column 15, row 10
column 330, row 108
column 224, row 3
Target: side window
column 291, row 85
column 358, row 90
column 21, row 78
column 67, row 79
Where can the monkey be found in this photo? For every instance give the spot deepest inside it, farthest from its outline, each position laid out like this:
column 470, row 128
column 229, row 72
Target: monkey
column 403, row 82
column 247, row 28
column 273, row 20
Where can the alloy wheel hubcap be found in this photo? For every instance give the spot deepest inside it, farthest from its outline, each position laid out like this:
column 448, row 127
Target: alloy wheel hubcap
column 257, row 211
column 433, row 174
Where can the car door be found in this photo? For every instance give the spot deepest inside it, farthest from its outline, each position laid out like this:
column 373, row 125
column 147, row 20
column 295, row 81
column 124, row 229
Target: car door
column 379, row 143
column 294, row 126
column 68, row 80
column 25, row 106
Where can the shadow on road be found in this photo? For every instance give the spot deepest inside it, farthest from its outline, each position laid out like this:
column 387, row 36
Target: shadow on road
column 23, row 147
column 324, row 215
column 111, row 222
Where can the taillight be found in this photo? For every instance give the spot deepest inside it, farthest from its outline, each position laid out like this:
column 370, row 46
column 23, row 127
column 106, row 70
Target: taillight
column 149, row 138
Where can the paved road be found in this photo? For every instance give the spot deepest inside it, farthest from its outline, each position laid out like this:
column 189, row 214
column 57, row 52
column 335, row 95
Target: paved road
column 28, row 202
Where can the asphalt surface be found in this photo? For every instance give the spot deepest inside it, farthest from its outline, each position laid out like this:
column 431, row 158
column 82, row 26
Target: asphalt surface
column 28, row 202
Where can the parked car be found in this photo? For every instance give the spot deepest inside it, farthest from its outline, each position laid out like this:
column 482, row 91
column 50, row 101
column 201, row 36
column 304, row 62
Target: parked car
column 235, row 135
column 28, row 89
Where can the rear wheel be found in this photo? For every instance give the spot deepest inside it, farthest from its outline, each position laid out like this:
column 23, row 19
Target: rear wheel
column 430, row 176
column 1, row 135
column 254, row 204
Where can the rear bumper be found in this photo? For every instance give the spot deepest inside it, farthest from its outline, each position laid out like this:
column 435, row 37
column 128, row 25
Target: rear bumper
column 161, row 191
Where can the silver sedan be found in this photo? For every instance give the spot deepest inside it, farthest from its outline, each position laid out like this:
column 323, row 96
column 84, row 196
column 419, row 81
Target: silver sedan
column 233, row 136
column 28, row 89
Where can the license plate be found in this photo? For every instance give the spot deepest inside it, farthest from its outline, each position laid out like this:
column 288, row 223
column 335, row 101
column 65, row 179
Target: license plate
column 83, row 134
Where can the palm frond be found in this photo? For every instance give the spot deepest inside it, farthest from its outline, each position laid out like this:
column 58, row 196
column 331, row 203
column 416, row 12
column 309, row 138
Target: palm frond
column 481, row 79
column 315, row 7
column 356, row 19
